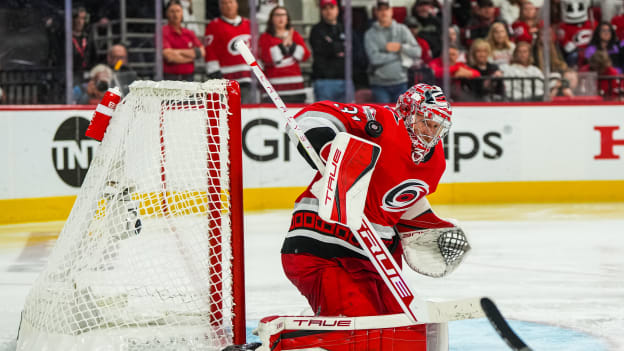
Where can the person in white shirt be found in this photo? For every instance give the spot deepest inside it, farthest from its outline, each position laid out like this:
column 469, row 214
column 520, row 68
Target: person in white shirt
column 502, row 46
column 529, row 89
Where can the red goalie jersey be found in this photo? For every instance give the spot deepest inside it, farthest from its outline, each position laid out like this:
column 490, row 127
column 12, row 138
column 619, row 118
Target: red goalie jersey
column 397, row 183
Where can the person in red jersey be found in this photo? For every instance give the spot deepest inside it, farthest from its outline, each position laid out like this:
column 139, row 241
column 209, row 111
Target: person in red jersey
column 526, row 27
column 281, row 49
column 180, row 46
column 323, row 260
column 222, row 58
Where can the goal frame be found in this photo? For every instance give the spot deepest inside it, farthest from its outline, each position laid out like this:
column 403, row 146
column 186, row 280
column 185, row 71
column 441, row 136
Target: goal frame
column 60, row 292
column 236, row 200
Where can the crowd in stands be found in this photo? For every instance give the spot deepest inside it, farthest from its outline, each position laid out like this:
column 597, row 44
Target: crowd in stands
column 495, row 51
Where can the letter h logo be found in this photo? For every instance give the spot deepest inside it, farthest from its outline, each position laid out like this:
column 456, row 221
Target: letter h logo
column 608, row 142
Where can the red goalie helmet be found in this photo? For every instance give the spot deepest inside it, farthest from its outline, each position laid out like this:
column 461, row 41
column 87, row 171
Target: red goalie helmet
column 427, row 117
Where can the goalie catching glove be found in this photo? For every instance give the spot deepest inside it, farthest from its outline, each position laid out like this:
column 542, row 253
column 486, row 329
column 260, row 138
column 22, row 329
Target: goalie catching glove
column 432, row 246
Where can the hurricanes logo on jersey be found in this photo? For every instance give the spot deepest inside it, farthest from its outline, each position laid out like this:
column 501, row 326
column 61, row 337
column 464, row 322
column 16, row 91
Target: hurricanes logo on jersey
column 582, row 37
column 246, row 38
column 404, row 195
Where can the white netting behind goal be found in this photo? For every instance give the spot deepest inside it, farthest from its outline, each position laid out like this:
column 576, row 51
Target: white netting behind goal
column 144, row 261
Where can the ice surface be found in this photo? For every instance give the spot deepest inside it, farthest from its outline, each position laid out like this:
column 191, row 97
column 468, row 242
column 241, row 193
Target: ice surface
column 557, row 271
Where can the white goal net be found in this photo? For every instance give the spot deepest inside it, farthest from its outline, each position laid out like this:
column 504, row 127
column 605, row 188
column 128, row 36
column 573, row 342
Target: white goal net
column 145, row 259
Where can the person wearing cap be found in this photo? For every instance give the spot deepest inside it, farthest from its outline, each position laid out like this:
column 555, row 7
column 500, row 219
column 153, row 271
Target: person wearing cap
column 180, row 46
column 430, row 25
column 391, row 50
column 327, row 42
column 479, row 24
column 414, row 27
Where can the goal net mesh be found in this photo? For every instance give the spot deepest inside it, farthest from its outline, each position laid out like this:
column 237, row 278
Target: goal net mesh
column 144, row 261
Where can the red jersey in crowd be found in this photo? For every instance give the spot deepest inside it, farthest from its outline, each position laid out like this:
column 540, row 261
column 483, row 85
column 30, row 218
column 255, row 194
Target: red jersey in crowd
column 608, row 88
column 575, row 36
column 522, row 32
column 221, row 55
column 618, row 23
column 282, row 68
column 185, row 39
column 426, row 55
column 438, row 68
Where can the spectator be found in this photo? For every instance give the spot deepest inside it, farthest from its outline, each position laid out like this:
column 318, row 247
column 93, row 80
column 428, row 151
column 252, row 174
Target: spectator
column 117, row 60
column 460, row 12
column 618, row 24
column 453, row 33
column 525, row 28
column 221, row 58
column 391, row 50
column 419, row 72
column 327, row 41
column 431, row 27
column 557, row 62
column 180, row 46
column 604, row 38
column 600, row 62
column 570, row 80
column 281, row 50
column 117, row 57
column 531, row 88
column 502, row 46
column 458, row 70
column 359, row 60
column 479, row 24
column 414, row 26
column 92, row 92
column 560, row 87
column 83, row 48
column 486, row 89
column 510, row 10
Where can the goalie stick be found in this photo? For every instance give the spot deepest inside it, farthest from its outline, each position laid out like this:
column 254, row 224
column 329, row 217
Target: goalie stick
column 417, row 309
column 502, row 327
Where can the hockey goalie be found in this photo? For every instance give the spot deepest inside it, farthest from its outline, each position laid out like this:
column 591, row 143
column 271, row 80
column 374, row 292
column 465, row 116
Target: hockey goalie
column 382, row 162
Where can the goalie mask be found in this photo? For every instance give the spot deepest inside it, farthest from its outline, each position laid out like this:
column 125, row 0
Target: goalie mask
column 427, row 117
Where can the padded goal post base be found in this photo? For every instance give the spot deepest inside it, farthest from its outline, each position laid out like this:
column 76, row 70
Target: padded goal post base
column 178, row 338
column 371, row 333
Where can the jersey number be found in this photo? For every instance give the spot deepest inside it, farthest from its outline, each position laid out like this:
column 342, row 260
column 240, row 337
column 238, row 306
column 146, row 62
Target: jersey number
column 352, row 110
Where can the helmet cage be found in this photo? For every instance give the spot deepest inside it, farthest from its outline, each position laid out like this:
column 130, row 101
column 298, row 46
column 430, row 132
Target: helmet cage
column 428, row 127
column 427, row 117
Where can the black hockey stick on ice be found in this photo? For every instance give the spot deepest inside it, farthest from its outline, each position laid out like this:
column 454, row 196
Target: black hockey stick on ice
column 502, row 327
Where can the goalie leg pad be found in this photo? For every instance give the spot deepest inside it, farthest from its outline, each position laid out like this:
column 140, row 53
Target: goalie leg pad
column 349, row 334
column 331, row 290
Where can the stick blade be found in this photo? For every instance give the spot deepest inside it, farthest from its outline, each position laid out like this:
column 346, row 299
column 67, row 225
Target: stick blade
column 501, row 326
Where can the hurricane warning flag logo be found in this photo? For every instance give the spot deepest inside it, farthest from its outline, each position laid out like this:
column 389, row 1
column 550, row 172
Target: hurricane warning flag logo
column 404, row 195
